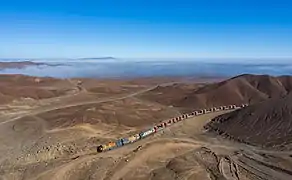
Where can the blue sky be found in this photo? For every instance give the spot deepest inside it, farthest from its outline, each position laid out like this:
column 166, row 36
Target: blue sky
column 136, row 28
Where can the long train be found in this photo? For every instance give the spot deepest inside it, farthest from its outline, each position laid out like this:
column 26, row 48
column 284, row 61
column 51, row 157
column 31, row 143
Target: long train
column 162, row 125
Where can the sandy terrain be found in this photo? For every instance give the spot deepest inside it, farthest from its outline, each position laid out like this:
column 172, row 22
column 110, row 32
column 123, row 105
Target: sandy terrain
column 56, row 138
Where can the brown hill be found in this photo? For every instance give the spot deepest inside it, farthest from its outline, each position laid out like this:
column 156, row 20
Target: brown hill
column 13, row 87
column 19, row 64
column 240, row 89
column 268, row 123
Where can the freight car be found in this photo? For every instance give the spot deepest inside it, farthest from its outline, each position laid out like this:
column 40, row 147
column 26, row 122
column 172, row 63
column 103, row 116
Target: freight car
column 169, row 122
column 147, row 133
column 199, row 112
column 232, row 106
column 159, row 127
column 174, row 120
column 244, row 105
column 134, row 138
column 225, row 108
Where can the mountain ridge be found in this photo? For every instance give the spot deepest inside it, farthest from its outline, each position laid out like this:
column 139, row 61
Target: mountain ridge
column 266, row 124
column 245, row 88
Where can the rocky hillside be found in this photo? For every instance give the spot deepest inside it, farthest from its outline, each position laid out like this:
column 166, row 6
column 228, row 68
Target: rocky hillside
column 240, row 89
column 268, row 123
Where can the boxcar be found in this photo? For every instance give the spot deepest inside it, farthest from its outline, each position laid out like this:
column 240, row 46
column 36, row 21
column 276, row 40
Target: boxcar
column 134, row 138
column 244, row 105
column 119, row 143
column 231, row 107
column 225, row 108
column 200, row 112
column 147, row 132
column 216, row 109
column 159, row 127
column 125, row 141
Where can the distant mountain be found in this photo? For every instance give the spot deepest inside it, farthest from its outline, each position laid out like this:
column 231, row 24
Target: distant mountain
column 245, row 88
column 24, row 64
column 98, row 58
column 268, row 123
column 18, row 64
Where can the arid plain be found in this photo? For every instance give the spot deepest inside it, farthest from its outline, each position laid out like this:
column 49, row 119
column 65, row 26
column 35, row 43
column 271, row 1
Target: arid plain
column 50, row 128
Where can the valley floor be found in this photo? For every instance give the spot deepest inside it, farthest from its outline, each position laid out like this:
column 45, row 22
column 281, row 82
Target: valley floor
column 56, row 139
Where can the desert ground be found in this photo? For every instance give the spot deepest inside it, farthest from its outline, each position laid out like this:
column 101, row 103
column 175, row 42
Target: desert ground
column 50, row 128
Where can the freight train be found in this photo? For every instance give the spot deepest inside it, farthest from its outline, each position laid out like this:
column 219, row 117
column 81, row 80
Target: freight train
column 128, row 140
column 162, row 125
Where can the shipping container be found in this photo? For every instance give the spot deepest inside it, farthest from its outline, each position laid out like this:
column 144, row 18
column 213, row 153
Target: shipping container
column 147, row 133
column 119, row 143
column 232, row 107
column 137, row 137
column 237, row 107
column 216, row 109
column 160, row 125
column 244, row 105
column 134, row 138
column 125, row 141
column 111, row 145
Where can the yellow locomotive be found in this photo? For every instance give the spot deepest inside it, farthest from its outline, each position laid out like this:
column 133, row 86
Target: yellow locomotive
column 106, row 147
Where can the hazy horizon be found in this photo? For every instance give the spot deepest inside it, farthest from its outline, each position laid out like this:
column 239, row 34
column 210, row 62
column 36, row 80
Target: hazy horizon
column 140, row 68
column 197, row 60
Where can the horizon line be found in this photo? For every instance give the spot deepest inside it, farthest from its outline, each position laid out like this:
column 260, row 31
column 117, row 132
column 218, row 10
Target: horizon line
column 113, row 57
